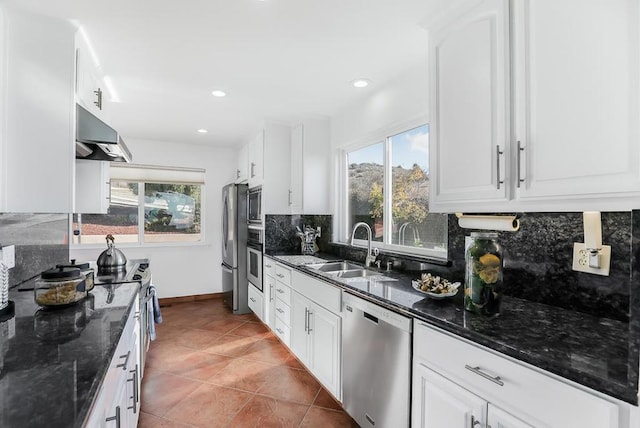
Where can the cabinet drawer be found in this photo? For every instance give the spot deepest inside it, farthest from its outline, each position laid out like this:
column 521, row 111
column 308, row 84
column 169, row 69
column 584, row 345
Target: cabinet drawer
column 283, row 274
column 323, row 293
column 511, row 385
column 283, row 332
column 283, row 311
column 269, row 267
column 256, row 301
column 283, row 293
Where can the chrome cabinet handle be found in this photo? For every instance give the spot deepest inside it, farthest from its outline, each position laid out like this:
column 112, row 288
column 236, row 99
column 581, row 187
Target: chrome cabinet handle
column 253, row 167
column 134, row 397
column 98, row 101
column 520, row 149
column 116, row 417
column 279, row 275
column 252, row 299
column 290, row 192
column 280, row 310
column 267, row 266
column 279, row 331
column 280, row 290
column 306, row 320
column 498, row 154
column 137, row 315
column 474, row 422
column 108, row 183
column 126, row 360
column 309, row 329
column 271, row 293
column 237, row 173
column 476, row 370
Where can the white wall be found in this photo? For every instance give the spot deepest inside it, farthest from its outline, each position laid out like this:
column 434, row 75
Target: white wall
column 183, row 270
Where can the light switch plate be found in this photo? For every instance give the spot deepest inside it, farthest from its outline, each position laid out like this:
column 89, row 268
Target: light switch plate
column 581, row 259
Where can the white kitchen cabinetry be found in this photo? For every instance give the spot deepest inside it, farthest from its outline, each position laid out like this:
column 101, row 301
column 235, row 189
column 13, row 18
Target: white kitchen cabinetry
column 470, row 126
column 455, row 380
column 551, row 123
column 242, row 170
column 310, row 163
column 37, row 136
column 93, row 187
column 276, row 169
column 282, row 304
column 256, row 301
column 269, row 271
column 91, row 91
column 316, row 329
column 118, row 401
column 256, row 159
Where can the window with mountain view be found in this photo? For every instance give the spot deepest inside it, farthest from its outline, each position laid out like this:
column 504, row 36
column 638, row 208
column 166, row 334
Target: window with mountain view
column 388, row 188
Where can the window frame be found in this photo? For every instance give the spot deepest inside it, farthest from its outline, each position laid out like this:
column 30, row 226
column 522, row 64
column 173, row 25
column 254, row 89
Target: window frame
column 141, row 208
column 384, row 136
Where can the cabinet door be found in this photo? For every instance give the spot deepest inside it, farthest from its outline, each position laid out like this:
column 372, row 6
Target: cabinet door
column 256, row 301
column 325, row 344
column 297, row 161
column 577, row 116
column 438, row 402
column 469, row 58
column 93, row 187
column 242, row 170
column 256, row 160
column 300, row 327
column 498, row 418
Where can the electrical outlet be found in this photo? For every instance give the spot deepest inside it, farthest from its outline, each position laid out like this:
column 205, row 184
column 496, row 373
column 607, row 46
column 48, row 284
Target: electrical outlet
column 581, row 259
column 9, row 256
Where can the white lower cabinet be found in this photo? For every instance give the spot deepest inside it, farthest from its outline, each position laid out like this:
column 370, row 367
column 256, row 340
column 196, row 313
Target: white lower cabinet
column 459, row 384
column 256, row 302
column 315, row 340
column 118, row 401
column 444, row 403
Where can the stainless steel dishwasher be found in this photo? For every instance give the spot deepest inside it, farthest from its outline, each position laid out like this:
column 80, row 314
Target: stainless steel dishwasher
column 376, row 364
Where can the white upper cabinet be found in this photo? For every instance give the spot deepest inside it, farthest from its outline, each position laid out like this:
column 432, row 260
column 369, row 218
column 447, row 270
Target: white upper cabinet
column 93, row 187
column 256, row 159
column 37, row 137
column 576, row 98
column 310, row 166
column 535, row 106
column 242, row 170
column 91, row 91
column 276, row 169
column 470, row 122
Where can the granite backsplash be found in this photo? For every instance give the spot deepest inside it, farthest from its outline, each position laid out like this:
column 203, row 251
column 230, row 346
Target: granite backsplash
column 41, row 242
column 537, row 258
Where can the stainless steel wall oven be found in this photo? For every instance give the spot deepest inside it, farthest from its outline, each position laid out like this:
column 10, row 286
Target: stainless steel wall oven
column 254, row 256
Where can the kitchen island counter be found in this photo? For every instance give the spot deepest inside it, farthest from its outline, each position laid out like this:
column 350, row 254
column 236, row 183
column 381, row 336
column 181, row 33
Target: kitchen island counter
column 53, row 362
column 598, row 353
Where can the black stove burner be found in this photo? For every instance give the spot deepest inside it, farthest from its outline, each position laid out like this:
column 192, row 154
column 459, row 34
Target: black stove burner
column 137, row 277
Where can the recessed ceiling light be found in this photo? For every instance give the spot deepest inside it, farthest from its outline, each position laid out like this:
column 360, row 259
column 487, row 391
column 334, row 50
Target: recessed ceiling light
column 361, row 83
column 218, row 93
column 202, row 131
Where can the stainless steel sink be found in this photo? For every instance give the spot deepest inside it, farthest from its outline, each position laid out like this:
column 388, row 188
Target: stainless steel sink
column 334, row 266
column 359, row 273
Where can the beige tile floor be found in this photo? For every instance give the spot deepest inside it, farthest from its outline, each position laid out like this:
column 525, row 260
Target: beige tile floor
column 209, row 368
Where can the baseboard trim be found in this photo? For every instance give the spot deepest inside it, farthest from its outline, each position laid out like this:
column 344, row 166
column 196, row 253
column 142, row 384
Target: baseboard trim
column 168, row 301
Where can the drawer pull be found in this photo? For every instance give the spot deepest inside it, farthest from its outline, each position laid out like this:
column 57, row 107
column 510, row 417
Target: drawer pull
column 279, row 275
column 267, row 266
column 279, row 331
column 115, row 418
column 252, row 299
column 280, row 290
column 126, row 361
column 476, row 370
column 474, row 422
column 280, row 310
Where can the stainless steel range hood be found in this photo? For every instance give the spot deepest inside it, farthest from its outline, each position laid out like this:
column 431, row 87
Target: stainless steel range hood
column 96, row 140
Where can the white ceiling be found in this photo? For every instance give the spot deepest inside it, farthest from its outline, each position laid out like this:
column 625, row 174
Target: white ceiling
column 275, row 58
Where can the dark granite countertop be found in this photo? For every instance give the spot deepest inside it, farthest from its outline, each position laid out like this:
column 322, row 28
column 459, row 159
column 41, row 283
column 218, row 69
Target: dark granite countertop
column 52, row 362
column 598, row 353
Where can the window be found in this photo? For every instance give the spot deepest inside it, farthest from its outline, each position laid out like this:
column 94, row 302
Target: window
column 147, row 210
column 388, row 188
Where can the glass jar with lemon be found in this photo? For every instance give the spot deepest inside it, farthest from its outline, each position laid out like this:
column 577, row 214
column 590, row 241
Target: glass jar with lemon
column 483, row 278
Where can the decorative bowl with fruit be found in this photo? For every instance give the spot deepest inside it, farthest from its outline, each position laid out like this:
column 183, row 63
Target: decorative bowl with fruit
column 435, row 287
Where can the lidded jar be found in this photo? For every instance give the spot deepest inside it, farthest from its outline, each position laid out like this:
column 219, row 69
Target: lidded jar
column 60, row 287
column 483, row 278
